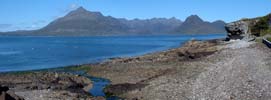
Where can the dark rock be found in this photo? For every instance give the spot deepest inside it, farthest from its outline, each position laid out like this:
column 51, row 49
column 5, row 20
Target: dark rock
column 197, row 49
column 248, row 29
column 238, row 30
column 31, row 87
column 135, row 98
column 3, row 89
column 5, row 94
column 65, row 83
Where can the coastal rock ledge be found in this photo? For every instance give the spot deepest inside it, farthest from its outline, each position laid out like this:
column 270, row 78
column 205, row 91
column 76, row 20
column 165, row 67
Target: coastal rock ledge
column 239, row 30
column 5, row 94
column 248, row 29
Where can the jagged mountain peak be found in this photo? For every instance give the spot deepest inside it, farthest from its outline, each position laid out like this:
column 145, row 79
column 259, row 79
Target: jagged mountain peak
column 194, row 24
column 83, row 22
column 82, row 12
column 81, row 9
column 193, row 19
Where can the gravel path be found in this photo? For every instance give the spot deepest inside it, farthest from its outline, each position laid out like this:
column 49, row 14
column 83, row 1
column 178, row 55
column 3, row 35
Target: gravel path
column 240, row 71
column 243, row 74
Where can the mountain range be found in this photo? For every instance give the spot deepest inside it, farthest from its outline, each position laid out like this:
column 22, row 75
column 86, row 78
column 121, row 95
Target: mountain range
column 82, row 22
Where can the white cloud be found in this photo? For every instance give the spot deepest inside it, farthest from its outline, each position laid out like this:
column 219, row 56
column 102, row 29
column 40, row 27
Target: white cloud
column 65, row 10
column 73, row 6
column 70, row 8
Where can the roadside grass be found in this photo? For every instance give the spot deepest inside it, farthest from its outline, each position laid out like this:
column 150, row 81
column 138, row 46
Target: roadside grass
column 258, row 40
column 269, row 39
column 266, row 32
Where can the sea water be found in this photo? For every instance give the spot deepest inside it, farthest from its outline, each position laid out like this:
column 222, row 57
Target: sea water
column 19, row 53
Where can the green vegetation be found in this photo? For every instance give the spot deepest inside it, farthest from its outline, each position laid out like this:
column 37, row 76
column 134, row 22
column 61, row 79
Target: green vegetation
column 259, row 40
column 108, row 94
column 21, row 72
column 262, row 27
column 71, row 68
column 269, row 38
column 264, row 32
column 79, row 68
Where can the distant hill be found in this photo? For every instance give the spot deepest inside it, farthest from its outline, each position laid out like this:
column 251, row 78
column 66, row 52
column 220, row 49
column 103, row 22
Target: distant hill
column 152, row 26
column 81, row 22
column 194, row 24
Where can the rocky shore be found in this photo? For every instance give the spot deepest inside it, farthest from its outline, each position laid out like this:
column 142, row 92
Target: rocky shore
column 46, row 85
column 198, row 70
column 213, row 69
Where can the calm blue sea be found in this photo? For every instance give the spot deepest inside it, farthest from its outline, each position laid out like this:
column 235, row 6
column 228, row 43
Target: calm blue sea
column 18, row 53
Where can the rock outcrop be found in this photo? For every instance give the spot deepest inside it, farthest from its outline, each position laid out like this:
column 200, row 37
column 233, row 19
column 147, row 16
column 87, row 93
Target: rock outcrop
column 5, row 94
column 239, row 30
column 248, row 29
column 44, row 85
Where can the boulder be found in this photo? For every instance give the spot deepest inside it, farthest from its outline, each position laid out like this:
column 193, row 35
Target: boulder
column 239, row 30
column 5, row 94
column 3, row 89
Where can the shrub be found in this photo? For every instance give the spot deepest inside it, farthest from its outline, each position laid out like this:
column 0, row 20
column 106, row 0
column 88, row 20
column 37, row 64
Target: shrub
column 264, row 32
column 262, row 26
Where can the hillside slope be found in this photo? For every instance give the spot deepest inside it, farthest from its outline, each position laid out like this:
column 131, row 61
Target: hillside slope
column 194, row 24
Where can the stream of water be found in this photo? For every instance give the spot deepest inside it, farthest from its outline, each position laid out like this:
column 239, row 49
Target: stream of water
column 98, row 85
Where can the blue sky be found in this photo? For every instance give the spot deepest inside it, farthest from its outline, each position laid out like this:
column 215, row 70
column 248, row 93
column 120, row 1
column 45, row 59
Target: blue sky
column 34, row 14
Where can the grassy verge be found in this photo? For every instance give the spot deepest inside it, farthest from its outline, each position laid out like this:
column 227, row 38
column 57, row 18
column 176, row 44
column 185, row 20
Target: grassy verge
column 262, row 26
column 259, row 40
column 265, row 32
column 269, row 39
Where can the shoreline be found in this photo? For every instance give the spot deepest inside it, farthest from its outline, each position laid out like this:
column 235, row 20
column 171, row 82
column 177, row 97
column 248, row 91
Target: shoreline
column 82, row 67
column 153, row 75
column 89, row 59
column 201, row 49
column 109, row 59
column 180, row 73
